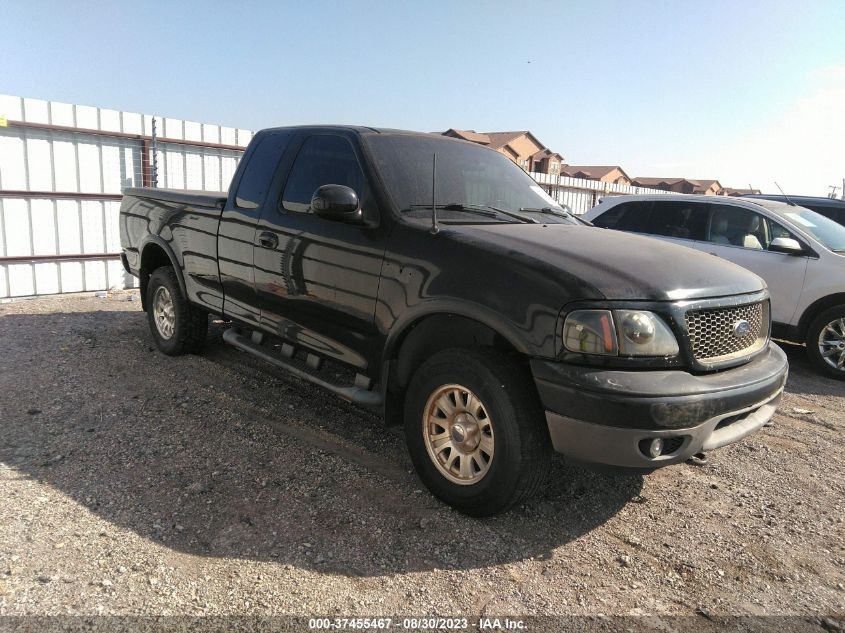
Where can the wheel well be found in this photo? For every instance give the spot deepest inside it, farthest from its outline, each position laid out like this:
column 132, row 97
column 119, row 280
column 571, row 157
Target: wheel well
column 816, row 308
column 152, row 257
column 437, row 332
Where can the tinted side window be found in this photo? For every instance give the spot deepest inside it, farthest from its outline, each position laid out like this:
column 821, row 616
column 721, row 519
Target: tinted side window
column 629, row 216
column 684, row 220
column 322, row 160
column 825, row 211
column 735, row 226
column 834, row 213
column 610, row 219
column 258, row 173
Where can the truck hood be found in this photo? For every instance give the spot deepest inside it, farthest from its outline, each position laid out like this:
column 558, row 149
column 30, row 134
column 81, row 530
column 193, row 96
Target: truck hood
column 619, row 266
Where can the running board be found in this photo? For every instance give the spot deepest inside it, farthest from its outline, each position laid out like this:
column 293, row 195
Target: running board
column 304, row 370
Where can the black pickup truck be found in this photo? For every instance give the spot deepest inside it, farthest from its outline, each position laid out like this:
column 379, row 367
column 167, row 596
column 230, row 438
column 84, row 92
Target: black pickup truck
column 463, row 302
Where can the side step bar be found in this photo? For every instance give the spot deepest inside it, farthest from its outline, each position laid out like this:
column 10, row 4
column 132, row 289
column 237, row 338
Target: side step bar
column 302, row 370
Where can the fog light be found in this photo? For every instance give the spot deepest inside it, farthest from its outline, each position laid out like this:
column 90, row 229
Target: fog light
column 655, row 448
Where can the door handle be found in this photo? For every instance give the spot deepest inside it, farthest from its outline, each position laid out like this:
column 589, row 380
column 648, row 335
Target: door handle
column 268, row 240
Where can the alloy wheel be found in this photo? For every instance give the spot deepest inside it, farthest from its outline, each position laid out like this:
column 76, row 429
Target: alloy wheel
column 164, row 313
column 832, row 344
column 458, row 434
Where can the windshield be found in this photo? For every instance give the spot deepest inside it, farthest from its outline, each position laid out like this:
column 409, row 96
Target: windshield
column 831, row 234
column 467, row 176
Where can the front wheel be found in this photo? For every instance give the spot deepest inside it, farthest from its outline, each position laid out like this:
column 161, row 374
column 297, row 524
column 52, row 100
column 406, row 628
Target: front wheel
column 826, row 342
column 177, row 326
column 475, row 430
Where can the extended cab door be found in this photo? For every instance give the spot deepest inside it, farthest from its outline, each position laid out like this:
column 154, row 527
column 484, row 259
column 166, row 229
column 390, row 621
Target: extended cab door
column 317, row 279
column 742, row 236
column 239, row 222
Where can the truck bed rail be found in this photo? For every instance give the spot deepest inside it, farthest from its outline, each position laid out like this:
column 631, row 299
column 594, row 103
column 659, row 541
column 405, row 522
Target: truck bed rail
column 215, row 200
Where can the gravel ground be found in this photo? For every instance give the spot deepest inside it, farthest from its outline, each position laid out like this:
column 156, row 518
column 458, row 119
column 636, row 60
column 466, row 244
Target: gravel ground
column 135, row 484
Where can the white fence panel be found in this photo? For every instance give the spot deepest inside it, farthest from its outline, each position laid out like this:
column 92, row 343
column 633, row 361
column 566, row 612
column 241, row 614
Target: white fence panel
column 12, row 162
column 43, row 216
column 69, row 227
column 582, row 195
column 62, row 169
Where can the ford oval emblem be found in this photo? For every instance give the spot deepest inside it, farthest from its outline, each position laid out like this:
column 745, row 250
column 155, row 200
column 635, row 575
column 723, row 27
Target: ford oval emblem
column 741, row 328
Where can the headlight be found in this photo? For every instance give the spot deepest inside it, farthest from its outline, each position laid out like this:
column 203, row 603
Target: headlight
column 618, row 332
column 644, row 334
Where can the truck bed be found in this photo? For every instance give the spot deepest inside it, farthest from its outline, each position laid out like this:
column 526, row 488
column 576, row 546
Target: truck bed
column 213, row 199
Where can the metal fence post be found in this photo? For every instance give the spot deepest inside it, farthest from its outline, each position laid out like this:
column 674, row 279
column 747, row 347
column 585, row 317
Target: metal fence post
column 154, row 175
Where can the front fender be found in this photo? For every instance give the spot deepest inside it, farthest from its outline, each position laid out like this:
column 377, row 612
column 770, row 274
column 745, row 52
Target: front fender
column 448, row 305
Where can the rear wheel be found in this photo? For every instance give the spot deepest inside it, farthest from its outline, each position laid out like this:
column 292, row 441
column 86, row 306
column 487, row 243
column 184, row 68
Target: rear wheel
column 475, row 430
column 826, row 342
column 177, row 326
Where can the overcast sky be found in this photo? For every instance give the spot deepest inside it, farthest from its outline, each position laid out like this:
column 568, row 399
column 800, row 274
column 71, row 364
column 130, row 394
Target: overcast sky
column 748, row 92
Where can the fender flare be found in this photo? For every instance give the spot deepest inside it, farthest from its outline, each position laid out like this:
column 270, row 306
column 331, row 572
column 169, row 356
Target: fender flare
column 817, row 307
column 154, row 239
column 473, row 311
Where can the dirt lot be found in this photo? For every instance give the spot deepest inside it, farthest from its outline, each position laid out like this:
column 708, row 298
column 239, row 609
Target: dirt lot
column 135, row 483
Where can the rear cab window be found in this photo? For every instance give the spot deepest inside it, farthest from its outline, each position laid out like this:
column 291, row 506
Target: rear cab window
column 260, row 169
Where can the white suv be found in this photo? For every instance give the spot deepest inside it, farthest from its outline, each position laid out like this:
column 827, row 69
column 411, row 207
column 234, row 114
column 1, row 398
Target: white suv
column 799, row 253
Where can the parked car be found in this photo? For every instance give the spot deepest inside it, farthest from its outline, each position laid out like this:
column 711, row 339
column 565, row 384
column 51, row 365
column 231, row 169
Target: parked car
column 494, row 325
column 828, row 207
column 799, row 253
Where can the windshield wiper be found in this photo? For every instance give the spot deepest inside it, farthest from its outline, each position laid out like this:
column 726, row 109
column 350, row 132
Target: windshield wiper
column 478, row 209
column 546, row 210
column 458, row 206
column 561, row 214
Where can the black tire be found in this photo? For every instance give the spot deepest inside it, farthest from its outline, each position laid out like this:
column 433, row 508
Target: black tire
column 190, row 324
column 522, row 447
column 818, row 324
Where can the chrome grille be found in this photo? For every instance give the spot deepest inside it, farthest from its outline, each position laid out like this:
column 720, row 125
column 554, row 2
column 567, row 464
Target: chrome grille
column 712, row 331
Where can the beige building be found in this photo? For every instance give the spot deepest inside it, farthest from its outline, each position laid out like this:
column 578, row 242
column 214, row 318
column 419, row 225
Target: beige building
column 613, row 174
column 731, row 191
column 521, row 147
column 681, row 185
column 707, row 187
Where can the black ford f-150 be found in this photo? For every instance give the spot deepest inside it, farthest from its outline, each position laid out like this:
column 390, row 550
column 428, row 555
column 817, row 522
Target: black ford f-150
column 463, row 302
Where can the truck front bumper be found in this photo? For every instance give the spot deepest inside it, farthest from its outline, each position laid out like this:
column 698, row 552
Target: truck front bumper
column 614, row 417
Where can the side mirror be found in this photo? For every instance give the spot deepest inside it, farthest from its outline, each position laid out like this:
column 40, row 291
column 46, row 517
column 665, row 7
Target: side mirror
column 786, row 245
column 337, row 202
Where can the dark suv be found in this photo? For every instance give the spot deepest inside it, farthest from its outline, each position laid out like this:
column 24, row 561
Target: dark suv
column 828, row 207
